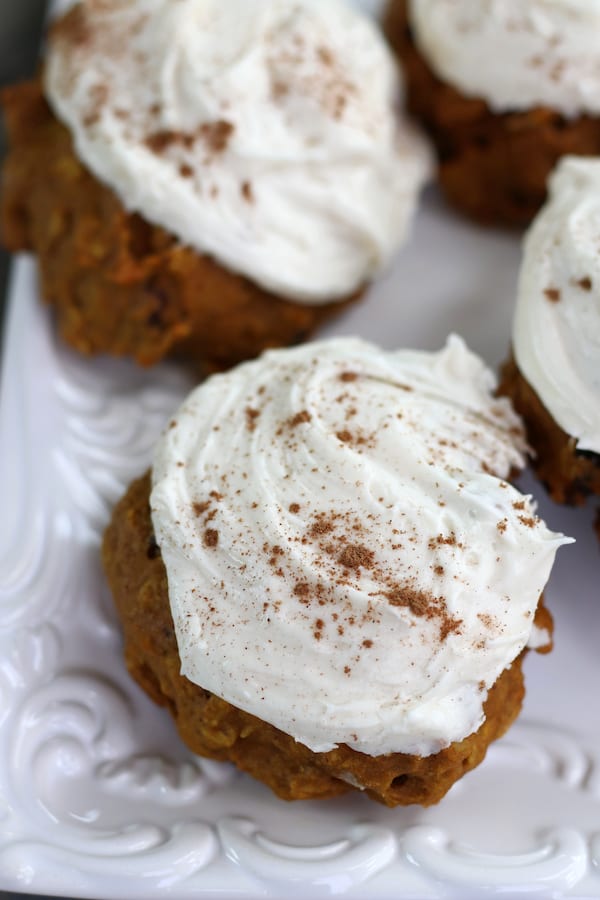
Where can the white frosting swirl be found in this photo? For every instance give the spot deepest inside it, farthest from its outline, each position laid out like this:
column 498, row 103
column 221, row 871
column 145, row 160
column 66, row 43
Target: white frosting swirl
column 344, row 558
column 264, row 134
column 515, row 55
column 556, row 334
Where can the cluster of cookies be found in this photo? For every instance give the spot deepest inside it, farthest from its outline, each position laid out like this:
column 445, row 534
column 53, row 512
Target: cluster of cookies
column 327, row 576
column 510, row 94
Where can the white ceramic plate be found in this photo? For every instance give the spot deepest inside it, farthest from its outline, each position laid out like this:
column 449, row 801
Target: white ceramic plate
column 97, row 796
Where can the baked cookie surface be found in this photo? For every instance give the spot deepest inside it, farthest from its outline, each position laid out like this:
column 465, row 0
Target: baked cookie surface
column 553, row 378
column 493, row 163
column 213, row 728
column 332, row 549
column 203, row 180
column 118, row 284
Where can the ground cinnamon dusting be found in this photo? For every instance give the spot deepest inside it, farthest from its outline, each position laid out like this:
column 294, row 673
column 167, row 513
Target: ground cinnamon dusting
column 321, row 526
column 426, row 606
column 325, row 55
column 359, row 440
column 247, row 192
column 98, row 98
column 73, row 27
column 528, row 521
column 251, row 417
column 299, row 419
column 211, row 538
column 419, row 603
column 448, row 540
column 356, row 556
column 217, row 135
column 449, row 626
column 552, row 294
column 279, row 90
column 159, row 141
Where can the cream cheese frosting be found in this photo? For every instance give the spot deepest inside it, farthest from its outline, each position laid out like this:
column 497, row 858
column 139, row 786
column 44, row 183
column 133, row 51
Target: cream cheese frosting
column 344, row 557
column 265, row 134
column 515, row 55
column 556, row 333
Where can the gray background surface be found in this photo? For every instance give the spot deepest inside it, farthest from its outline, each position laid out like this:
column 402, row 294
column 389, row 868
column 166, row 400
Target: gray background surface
column 20, row 34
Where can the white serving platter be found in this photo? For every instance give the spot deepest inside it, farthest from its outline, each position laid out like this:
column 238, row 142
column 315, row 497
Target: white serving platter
column 98, row 798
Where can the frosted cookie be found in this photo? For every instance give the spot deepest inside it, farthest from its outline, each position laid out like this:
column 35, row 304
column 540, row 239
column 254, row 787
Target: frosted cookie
column 553, row 378
column 327, row 577
column 505, row 89
column 209, row 178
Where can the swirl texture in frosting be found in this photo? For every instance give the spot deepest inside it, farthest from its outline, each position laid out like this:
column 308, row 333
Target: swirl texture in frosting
column 515, row 55
column 265, row 134
column 556, row 332
column 344, row 558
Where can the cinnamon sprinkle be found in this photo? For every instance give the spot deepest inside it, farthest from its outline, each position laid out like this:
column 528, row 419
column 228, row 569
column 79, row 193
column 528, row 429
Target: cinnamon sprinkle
column 528, row 521
column 211, row 538
column 247, row 192
column 73, row 27
column 552, row 294
column 356, row 556
column 426, row 606
column 251, row 417
column 299, row 419
column 217, row 135
column 321, row 526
